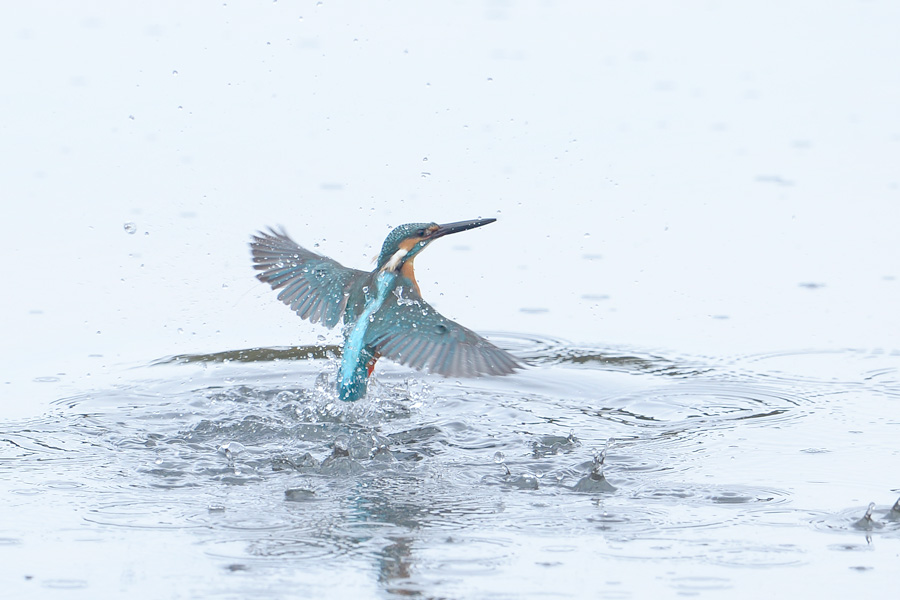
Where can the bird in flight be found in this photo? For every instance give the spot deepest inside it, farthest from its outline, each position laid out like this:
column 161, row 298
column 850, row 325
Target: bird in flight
column 383, row 311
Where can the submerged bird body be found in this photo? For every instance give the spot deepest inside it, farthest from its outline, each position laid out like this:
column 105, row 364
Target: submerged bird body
column 383, row 310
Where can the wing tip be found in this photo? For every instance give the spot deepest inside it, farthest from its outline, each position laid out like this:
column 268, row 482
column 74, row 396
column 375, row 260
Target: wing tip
column 269, row 233
column 499, row 366
column 509, row 366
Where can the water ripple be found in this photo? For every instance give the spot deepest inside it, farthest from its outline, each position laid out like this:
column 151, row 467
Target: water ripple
column 875, row 369
column 700, row 404
column 251, row 453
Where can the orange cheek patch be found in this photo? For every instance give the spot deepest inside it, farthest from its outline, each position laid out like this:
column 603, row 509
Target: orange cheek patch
column 409, row 243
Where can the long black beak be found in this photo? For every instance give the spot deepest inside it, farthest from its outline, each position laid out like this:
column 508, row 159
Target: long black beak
column 449, row 228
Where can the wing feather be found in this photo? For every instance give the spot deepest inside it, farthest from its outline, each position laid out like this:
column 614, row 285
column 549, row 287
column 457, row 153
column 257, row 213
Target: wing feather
column 410, row 331
column 410, row 349
column 314, row 286
column 425, row 353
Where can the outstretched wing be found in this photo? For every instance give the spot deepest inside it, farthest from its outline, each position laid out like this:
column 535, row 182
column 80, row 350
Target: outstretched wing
column 314, row 286
column 410, row 331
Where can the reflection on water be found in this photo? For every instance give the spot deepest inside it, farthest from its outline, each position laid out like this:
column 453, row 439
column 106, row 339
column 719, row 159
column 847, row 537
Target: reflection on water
column 640, row 457
column 256, row 355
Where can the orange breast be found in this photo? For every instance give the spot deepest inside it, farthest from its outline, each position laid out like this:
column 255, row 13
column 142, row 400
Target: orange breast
column 407, row 271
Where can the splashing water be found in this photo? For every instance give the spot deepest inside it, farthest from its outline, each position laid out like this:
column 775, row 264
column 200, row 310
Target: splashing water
column 248, row 459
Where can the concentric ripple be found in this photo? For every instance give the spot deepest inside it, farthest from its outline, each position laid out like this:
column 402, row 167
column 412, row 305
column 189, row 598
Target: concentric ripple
column 701, row 404
column 251, row 454
column 875, row 369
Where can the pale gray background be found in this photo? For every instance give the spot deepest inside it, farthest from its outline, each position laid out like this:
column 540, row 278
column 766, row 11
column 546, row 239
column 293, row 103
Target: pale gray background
column 689, row 163
column 698, row 179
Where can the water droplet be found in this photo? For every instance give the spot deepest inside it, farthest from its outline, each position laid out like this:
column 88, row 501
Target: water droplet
column 130, row 227
column 342, row 445
column 499, row 457
column 231, row 449
column 180, row 330
column 867, row 522
column 174, row 72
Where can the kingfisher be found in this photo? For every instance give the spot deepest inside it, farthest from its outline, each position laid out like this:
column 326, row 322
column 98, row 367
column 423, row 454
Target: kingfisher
column 382, row 310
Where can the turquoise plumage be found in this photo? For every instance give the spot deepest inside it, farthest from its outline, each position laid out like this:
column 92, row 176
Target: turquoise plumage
column 383, row 311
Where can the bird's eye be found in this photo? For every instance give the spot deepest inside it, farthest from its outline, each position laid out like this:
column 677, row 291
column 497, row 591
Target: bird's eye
column 421, row 233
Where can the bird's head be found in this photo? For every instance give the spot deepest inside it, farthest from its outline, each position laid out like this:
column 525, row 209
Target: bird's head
column 406, row 241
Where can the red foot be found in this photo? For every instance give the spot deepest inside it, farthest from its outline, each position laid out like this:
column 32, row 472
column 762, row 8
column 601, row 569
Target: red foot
column 371, row 365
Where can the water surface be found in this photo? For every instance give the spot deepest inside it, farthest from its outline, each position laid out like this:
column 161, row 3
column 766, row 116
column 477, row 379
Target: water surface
column 598, row 471
column 695, row 249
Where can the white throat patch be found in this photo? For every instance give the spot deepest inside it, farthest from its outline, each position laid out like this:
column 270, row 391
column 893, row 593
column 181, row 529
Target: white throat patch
column 394, row 261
